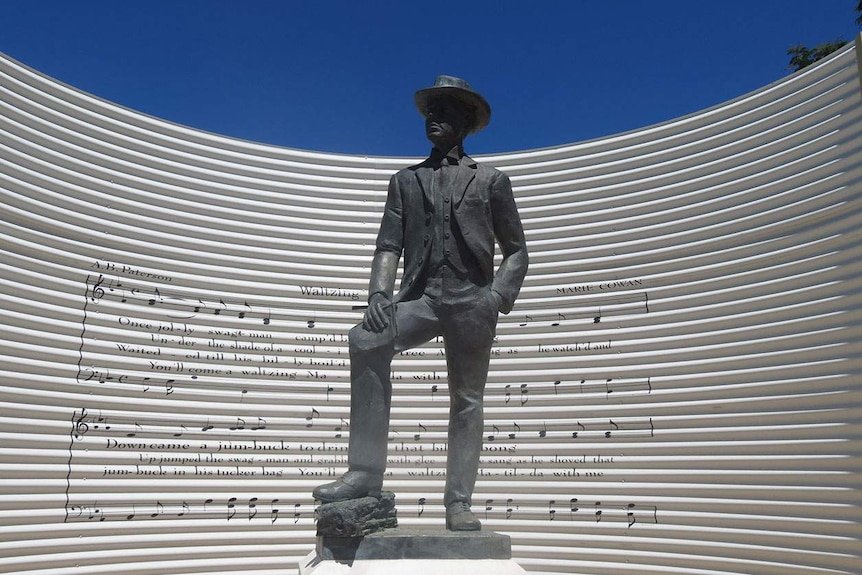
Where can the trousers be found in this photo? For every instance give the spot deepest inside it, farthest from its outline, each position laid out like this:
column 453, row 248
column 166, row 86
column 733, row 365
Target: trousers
column 465, row 314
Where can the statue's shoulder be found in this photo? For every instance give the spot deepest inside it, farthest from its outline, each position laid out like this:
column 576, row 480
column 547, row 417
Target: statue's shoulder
column 410, row 171
column 490, row 173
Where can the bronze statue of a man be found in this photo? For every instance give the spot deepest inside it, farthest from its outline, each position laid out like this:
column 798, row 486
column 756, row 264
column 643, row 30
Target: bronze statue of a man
column 444, row 215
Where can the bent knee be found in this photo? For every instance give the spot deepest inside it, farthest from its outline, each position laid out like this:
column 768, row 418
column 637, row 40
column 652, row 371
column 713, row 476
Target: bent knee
column 362, row 340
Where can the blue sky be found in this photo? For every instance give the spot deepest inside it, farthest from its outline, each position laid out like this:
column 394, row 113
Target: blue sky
column 339, row 76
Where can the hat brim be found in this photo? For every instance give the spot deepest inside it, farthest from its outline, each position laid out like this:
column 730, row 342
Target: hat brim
column 477, row 104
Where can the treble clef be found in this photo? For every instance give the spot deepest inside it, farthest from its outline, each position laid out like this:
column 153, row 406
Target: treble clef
column 97, row 292
column 80, row 426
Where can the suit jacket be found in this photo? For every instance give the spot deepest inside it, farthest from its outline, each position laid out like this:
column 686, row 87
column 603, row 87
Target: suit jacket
column 485, row 210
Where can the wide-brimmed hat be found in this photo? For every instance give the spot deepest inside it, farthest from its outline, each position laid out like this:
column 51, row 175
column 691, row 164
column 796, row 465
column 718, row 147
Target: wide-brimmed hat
column 460, row 90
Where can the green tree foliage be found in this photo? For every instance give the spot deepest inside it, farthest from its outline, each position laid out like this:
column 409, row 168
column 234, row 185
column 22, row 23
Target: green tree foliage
column 802, row 56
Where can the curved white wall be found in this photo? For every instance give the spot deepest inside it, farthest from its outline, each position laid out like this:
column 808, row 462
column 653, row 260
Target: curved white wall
column 676, row 391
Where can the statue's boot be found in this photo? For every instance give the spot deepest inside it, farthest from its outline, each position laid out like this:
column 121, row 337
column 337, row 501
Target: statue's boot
column 351, row 485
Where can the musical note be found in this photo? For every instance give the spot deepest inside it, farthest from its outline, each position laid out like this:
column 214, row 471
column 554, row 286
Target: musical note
column 524, row 392
column 252, row 508
column 207, row 427
column 218, row 311
column 421, row 505
column 273, row 512
column 137, row 429
column 493, row 436
column 560, row 317
column 433, row 391
column 312, row 321
column 159, row 510
column 182, row 430
column 598, row 511
column 296, row 513
column 184, row 510
column 527, row 319
column 581, row 427
column 649, row 515
column 96, row 512
column 231, row 508
column 508, row 394
column 418, row 436
column 572, row 507
column 551, row 511
column 157, row 296
column 239, row 425
column 616, row 427
column 241, row 313
column 344, row 425
column 268, row 317
column 261, row 424
column 131, row 515
column 488, row 507
column 329, row 389
column 310, row 419
column 515, row 429
column 544, row 431
column 509, row 503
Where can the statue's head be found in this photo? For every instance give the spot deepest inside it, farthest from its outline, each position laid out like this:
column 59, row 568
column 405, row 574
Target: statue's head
column 452, row 110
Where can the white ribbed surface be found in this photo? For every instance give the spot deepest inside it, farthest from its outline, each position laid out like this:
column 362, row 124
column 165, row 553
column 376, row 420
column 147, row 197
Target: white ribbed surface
column 708, row 423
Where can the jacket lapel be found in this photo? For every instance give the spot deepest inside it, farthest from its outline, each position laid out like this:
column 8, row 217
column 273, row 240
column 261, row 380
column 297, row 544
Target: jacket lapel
column 423, row 176
column 465, row 176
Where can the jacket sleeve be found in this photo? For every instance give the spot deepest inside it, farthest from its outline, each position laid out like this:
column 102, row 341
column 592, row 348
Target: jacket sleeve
column 510, row 237
column 391, row 235
column 390, row 242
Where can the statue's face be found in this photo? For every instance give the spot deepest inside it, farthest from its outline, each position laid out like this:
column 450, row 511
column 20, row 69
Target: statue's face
column 446, row 122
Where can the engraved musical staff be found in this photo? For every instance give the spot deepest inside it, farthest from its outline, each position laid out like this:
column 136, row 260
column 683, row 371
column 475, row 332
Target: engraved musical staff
column 592, row 311
column 628, row 514
column 548, row 394
column 179, row 304
column 85, row 422
column 228, row 509
column 562, row 429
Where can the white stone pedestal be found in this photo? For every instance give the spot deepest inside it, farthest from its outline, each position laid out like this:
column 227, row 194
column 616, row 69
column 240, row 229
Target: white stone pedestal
column 414, row 551
column 312, row 566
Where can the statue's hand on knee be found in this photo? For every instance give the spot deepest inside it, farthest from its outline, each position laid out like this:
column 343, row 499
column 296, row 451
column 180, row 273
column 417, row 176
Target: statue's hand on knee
column 377, row 316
